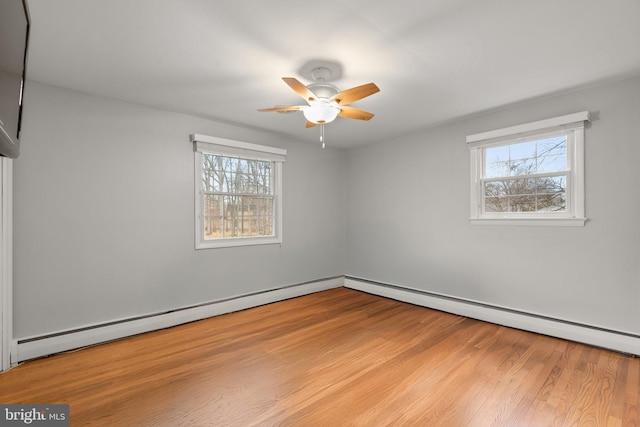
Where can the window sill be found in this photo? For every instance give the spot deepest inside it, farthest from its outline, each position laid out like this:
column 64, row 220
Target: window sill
column 239, row 241
column 553, row 222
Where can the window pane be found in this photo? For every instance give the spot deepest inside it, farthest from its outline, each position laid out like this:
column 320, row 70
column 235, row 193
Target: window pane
column 536, row 194
column 232, row 163
column 242, row 204
column 495, row 170
column 255, row 219
column 267, row 229
column 212, row 216
column 208, row 173
column 218, row 179
column 496, row 204
column 544, row 194
column 522, row 150
column 522, row 203
column 261, row 176
column 248, row 213
column 551, row 185
column 552, row 164
column 523, row 166
column 552, row 146
column 527, row 158
column 495, row 189
column 227, row 181
column 264, row 182
column 242, row 166
column 552, row 202
column 265, row 216
column 497, row 154
column 521, row 186
column 241, row 182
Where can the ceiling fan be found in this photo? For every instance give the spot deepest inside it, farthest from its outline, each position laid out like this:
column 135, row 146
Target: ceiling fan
column 325, row 101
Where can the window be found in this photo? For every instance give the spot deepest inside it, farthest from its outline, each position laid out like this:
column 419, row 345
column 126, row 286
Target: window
column 529, row 174
column 238, row 190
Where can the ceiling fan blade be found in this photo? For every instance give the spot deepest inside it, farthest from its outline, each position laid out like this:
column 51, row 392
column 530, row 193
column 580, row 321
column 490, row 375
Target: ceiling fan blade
column 355, row 93
column 310, row 124
column 354, row 113
column 283, row 108
column 299, row 88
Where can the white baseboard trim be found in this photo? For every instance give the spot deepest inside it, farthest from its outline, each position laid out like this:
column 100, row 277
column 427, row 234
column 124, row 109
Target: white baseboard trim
column 34, row 347
column 601, row 337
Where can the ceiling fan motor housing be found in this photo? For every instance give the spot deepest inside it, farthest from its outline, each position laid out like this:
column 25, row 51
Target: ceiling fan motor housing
column 323, row 90
column 321, row 74
column 320, row 87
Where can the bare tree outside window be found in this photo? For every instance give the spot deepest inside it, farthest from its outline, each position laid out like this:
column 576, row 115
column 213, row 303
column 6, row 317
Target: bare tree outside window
column 237, row 197
column 527, row 176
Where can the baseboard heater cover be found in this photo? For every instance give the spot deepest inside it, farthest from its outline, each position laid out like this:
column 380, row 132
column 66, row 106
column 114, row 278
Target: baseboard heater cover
column 620, row 341
column 39, row 346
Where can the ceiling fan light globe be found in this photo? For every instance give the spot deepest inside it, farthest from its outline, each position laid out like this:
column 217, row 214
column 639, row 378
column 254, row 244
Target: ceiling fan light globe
column 320, row 113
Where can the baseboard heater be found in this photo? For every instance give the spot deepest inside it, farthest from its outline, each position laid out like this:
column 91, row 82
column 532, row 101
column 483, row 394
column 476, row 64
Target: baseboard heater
column 61, row 341
column 624, row 342
column 33, row 347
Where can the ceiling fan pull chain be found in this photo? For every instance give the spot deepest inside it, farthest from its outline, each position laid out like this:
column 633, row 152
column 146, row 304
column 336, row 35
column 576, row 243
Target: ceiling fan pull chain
column 322, row 134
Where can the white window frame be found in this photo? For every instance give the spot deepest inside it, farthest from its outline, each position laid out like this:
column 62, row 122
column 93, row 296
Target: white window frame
column 203, row 144
column 573, row 126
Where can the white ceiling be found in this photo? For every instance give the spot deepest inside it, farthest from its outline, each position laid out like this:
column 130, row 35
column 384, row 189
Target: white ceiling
column 434, row 60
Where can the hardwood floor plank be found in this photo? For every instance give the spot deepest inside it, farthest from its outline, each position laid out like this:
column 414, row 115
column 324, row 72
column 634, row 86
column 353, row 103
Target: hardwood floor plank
column 631, row 411
column 335, row 358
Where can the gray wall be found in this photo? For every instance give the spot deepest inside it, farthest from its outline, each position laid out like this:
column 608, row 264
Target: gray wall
column 104, row 215
column 103, row 211
column 408, row 209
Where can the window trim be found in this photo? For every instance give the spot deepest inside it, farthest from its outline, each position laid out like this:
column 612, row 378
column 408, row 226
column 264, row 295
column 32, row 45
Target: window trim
column 570, row 123
column 203, row 144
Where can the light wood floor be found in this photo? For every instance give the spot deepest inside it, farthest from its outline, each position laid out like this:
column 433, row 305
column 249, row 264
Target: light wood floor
column 336, row 358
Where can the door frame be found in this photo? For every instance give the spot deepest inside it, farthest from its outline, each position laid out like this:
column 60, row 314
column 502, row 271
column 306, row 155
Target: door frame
column 6, row 263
